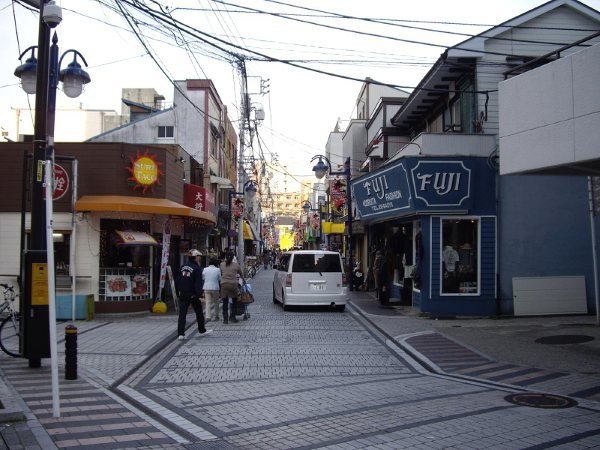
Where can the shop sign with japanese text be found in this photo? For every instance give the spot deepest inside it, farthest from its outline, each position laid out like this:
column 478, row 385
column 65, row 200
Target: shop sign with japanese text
column 197, row 197
column 383, row 193
column 61, row 182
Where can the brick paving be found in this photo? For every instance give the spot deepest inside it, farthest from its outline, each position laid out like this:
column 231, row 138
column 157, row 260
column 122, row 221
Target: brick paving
column 303, row 379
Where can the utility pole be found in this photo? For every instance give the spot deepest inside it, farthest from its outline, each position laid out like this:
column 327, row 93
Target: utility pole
column 244, row 115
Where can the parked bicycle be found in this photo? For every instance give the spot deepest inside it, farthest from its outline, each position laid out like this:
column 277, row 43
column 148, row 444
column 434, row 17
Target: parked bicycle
column 251, row 269
column 10, row 327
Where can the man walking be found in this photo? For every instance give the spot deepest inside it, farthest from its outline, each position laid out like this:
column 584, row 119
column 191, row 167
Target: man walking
column 189, row 290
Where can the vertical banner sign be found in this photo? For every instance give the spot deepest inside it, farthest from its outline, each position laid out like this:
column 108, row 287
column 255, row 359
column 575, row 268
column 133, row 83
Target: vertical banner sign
column 337, row 192
column 165, row 258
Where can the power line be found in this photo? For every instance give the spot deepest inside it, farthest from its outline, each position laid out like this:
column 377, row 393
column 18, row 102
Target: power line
column 397, row 24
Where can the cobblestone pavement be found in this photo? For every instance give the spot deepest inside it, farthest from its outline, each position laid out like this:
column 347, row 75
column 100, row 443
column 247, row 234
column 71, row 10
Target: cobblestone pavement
column 302, row 379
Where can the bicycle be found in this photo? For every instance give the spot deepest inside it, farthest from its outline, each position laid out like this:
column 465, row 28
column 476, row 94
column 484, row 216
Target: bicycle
column 251, row 269
column 10, row 327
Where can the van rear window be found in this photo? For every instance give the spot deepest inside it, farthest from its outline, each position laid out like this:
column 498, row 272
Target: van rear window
column 316, row 263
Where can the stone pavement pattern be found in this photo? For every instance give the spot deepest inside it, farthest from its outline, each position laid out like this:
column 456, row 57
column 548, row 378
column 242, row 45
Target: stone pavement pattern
column 300, row 379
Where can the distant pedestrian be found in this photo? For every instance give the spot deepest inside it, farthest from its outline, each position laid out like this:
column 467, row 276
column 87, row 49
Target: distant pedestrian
column 230, row 270
column 267, row 260
column 211, row 275
column 189, row 289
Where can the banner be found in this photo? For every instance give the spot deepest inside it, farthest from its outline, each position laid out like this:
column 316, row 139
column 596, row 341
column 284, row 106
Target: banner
column 165, row 258
column 338, row 196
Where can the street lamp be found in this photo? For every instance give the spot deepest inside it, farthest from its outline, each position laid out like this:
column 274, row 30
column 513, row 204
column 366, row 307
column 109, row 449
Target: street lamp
column 321, row 169
column 249, row 192
column 41, row 76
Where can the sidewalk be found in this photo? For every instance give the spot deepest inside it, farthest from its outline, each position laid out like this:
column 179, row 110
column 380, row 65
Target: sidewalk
column 96, row 409
column 498, row 350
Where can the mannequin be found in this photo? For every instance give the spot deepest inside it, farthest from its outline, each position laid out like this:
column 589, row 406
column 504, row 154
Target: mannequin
column 451, row 259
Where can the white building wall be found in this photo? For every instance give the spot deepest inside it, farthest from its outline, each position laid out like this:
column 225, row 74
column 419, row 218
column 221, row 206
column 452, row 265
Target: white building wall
column 334, row 150
column 72, row 125
column 354, row 143
column 189, row 121
column 538, row 29
column 538, row 130
column 143, row 131
column 10, row 230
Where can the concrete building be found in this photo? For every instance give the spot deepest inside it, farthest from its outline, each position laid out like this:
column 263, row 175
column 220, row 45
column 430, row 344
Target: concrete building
column 558, row 134
column 199, row 124
column 465, row 237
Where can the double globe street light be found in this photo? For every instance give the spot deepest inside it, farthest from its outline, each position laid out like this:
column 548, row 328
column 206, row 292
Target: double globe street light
column 321, row 169
column 41, row 76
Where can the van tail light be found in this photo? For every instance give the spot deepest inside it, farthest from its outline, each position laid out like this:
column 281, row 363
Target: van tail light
column 288, row 280
column 344, row 280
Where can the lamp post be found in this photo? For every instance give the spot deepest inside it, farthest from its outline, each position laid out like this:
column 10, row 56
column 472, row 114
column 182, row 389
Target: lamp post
column 249, row 192
column 41, row 76
column 321, row 169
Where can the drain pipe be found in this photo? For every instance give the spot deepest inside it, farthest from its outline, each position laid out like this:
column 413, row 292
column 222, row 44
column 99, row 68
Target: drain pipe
column 593, row 233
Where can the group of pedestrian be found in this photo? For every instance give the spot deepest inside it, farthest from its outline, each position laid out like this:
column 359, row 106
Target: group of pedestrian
column 218, row 283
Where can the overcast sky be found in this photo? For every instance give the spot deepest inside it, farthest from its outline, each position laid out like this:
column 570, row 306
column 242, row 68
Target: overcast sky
column 302, row 106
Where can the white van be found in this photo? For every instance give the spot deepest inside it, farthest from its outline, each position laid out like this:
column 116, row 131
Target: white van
column 310, row 277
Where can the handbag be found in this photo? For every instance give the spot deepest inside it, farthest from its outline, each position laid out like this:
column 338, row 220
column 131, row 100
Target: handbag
column 246, row 297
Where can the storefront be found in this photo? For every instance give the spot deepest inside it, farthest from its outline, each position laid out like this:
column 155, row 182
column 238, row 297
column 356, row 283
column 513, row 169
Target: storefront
column 432, row 227
column 109, row 244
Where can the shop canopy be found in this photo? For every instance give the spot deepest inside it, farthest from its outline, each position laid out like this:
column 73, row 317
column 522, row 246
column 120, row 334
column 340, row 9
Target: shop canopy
column 333, row 228
column 249, row 233
column 130, row 237
column 140, row 205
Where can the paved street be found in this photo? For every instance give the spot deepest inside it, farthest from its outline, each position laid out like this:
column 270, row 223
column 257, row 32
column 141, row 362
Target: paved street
column 303, row 379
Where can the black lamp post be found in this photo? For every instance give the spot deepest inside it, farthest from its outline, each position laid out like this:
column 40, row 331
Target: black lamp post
column 41, row 76
column 321, row 169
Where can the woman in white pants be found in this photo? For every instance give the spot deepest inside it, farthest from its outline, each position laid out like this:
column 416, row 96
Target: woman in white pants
column 211, row 275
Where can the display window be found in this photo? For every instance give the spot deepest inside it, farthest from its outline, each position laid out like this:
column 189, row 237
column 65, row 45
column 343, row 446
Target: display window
column 460, row 256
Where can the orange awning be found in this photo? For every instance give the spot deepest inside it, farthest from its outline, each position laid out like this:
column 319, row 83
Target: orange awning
column 141, row 205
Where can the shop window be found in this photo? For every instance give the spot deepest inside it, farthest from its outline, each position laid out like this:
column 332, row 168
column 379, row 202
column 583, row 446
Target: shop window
column 62, row 242
column 460, row 256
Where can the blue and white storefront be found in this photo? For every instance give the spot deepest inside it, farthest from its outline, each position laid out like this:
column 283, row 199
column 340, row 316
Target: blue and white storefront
column 433, row 220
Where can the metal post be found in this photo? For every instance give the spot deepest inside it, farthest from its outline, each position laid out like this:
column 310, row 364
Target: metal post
column 348, row 171
column 70, row 352
column 35, row 336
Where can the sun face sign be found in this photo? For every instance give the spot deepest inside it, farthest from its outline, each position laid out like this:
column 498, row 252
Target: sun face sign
column 145, row 171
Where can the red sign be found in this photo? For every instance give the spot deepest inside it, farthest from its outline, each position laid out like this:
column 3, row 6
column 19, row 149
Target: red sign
column 61, row 182
column 337, row 193
column 197, row 197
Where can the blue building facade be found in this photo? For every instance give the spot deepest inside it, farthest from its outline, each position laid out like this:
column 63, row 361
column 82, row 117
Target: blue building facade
column 433, row 223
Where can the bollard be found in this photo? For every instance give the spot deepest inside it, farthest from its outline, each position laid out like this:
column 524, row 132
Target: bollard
column 70, row 352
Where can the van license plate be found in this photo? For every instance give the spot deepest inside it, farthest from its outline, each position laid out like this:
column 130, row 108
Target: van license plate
column 317, row 287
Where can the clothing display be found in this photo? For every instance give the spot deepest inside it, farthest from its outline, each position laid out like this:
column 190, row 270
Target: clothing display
column 450, row 257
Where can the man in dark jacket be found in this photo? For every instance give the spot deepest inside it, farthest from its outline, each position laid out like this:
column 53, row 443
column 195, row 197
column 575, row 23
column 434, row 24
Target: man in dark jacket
column 189, row 290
